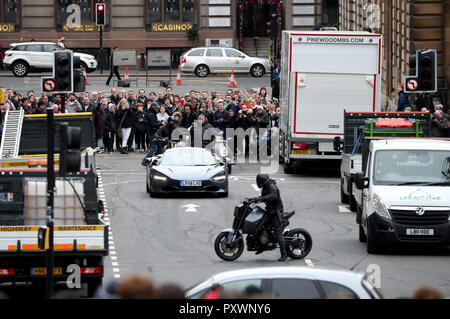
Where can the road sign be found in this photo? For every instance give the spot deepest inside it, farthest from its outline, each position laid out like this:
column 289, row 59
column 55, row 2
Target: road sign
column 412, row 85
column 49, row 85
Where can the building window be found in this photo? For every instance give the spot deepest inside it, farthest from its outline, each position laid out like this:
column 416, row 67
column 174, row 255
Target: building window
column 10, row 12
column 87, row 12
column 171, row 11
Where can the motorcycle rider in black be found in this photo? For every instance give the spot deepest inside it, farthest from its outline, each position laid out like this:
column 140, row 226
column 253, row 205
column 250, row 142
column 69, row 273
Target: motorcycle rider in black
column 270, row 195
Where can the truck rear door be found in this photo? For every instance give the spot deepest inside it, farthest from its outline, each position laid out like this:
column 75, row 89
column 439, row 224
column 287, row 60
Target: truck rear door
column 330, row 73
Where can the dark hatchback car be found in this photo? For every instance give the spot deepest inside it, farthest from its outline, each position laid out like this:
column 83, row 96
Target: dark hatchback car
column 186, row 170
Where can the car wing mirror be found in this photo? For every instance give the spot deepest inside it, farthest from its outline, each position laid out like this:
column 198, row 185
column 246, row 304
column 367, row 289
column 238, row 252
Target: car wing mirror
column 338, row 144
column 361, row 181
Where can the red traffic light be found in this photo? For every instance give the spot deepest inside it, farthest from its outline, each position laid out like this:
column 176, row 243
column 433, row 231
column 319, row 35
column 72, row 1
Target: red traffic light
column 100, row 7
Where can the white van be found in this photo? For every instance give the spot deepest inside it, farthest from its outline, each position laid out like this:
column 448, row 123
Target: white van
column 404, row 193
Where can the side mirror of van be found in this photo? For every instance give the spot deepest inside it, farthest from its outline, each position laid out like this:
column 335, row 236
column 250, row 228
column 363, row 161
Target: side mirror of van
column 338, row 144
column 361, row 181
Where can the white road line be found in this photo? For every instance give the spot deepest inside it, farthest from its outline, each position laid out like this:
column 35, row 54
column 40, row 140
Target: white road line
column 114, row 258
column 309, row 263
column 116, row 270
column 255, row 187
column 117, row 276
column 115, row 264
column 344, row 209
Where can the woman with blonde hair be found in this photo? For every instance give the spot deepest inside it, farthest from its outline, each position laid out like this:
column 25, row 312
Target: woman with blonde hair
column 124, row 116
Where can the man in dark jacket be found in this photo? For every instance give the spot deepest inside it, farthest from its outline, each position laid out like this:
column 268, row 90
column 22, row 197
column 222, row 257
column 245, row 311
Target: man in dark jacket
column 153, row 126
column 403, row 99
column 270, row 195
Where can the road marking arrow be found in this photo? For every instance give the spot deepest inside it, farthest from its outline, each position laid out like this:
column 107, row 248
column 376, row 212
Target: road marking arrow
column 190, row 208
column 344, row 209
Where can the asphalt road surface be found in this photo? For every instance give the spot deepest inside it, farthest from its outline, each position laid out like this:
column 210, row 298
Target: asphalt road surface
column 172, row 239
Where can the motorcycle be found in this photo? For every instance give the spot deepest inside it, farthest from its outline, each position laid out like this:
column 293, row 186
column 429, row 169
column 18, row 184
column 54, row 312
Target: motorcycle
column 229, row 244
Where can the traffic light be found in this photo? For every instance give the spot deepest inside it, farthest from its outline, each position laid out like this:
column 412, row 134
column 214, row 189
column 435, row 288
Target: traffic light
column 100, row 9
column 62, row 80
column 79, row 80
column 70, row 149
column 423, row 72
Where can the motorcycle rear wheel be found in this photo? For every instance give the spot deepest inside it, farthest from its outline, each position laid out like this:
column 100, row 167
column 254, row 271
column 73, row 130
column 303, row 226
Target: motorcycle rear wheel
column 303, row 248
column 228, row 253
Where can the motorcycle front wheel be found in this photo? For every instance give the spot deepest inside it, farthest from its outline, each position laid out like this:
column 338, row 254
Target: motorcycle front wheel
column 301, row 245
column 228, row 252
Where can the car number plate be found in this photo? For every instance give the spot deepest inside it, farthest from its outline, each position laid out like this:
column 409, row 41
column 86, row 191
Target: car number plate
column 43, row 271
column 191, row 183
column 419, row 232
column 6, row 197
column 301, row 152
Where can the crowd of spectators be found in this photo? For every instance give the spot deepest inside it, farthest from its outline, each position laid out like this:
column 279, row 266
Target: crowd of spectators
column 127, row 120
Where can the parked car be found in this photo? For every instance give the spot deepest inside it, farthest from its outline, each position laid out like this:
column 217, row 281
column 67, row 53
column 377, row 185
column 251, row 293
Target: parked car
column 27, row 57
column 205, row 60
column 186, row 170
column 291, row 283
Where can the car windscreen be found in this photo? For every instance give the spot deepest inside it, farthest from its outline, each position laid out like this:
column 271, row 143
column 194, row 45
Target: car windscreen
column 393, row 167
column 188, row 157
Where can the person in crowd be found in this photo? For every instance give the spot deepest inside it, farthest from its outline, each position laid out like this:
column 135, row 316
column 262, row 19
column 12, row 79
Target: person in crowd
column 188, row 117
column 160, row 98
column 86, row 106
column 233, row 124
column 33, row 101
column 27, row 108
column 100, row 112
column 162, row 115
column 114, row 68
column 142, row 98
column 110, row 130
column 439, row 124
column 427, row 292
column 221, row 118
column 170, row 291
column 177, row 116
column 170, row 108
column 125, row 117
column 403, row 98
column 136, row 286
column 115, row 96
column 141, row 125
column 95, row 100
column 41, row 108
column 73, row 106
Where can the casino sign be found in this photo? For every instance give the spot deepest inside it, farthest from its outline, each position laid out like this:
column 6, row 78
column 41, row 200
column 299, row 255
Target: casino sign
column 171, row 27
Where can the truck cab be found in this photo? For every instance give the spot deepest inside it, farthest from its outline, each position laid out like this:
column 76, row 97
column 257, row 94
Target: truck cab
column 404, row 195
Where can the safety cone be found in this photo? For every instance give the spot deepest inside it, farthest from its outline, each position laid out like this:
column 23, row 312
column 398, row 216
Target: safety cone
column 232, row 80
column 85, row 76
column 179, row 77
column 127, row 78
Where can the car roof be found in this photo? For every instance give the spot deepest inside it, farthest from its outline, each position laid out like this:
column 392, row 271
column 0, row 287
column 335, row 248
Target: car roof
column 296, row 271
column 412, row 144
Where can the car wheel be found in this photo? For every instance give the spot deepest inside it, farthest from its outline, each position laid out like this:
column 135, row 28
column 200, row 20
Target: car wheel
column 344, row 197
column 201, row 71
column 20, row 68
column 257, row 71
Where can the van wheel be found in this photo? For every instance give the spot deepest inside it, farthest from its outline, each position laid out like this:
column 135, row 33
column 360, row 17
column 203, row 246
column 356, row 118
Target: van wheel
column 20, row 68
column 352, row 202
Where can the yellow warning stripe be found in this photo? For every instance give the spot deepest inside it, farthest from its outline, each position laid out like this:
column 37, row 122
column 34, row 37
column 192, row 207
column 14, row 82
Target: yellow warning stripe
column 37, row 116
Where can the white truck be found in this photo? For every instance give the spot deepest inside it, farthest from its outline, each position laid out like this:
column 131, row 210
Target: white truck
column 361, row 125
column 324, row 73
column 404, row 192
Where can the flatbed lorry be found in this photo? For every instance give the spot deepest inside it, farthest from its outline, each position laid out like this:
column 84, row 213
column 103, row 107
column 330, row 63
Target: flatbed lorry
column 80, row 234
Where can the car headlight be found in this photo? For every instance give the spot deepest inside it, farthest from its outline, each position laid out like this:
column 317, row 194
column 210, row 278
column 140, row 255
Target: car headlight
column 159, row 177
column 219, row 177
column 380, row 207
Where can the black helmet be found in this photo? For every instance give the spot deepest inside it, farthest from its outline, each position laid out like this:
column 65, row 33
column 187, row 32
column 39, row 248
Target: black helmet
column 262, row 179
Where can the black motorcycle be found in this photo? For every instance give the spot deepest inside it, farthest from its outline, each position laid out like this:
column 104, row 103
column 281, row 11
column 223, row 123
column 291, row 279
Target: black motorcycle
column 229, row 244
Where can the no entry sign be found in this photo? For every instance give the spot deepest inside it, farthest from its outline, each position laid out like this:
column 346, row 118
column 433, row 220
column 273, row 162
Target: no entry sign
column 49, row 85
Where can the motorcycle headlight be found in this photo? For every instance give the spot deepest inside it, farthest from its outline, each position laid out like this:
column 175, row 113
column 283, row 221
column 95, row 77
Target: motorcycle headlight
column 219, row 177
column 380, row 207
column 159, row 177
